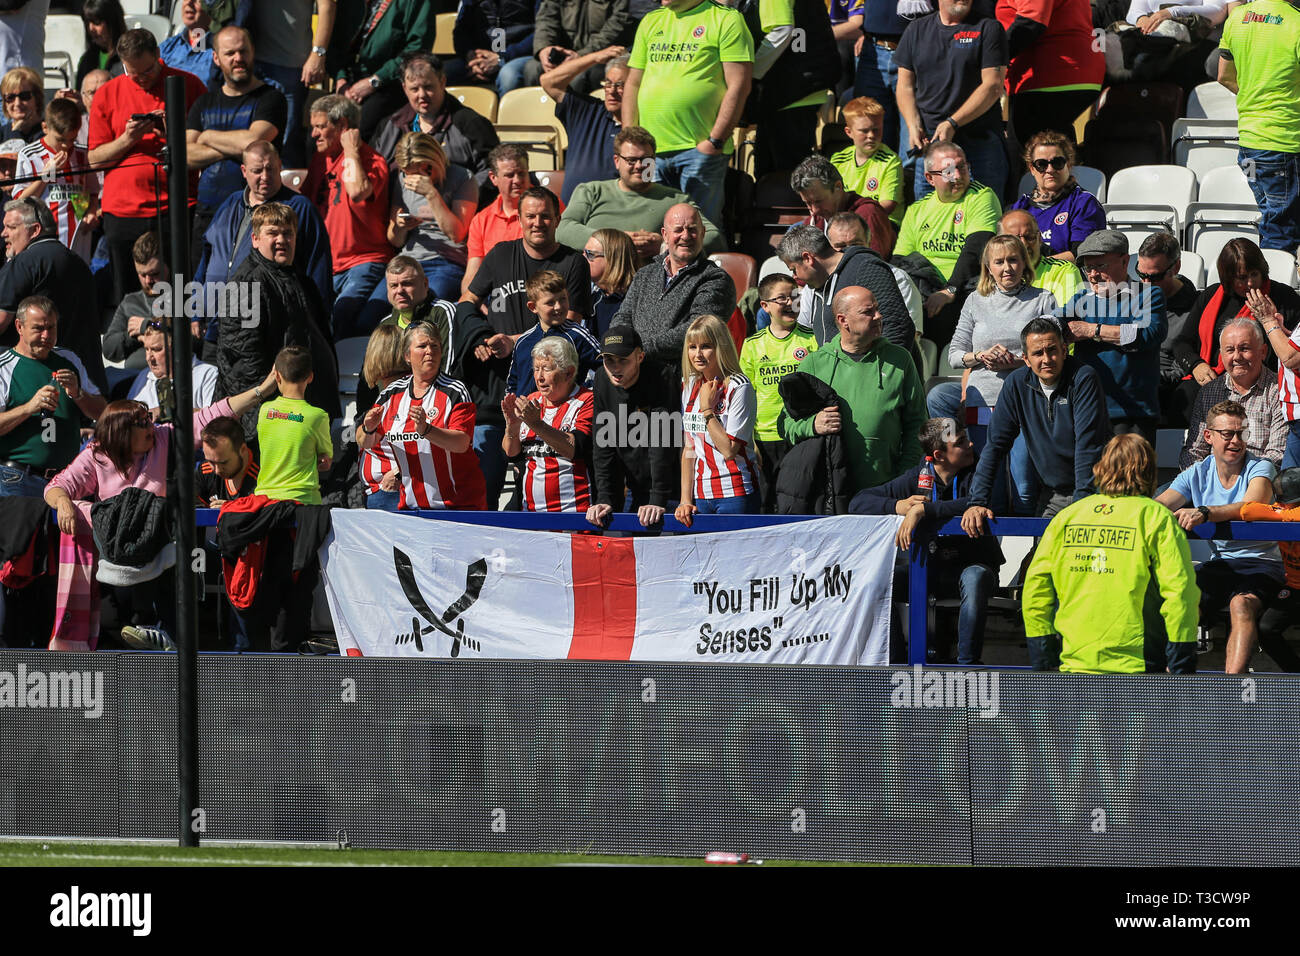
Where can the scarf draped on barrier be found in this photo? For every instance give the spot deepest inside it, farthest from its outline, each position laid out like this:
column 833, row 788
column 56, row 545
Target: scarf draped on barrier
column 400, row 586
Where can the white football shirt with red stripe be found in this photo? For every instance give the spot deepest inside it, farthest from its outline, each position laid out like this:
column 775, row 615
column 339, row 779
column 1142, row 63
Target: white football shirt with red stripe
column 1288, row 386
column 552, row 483
column 715, row 477
column 375, row 462
column 432, row 477
column 63, row 195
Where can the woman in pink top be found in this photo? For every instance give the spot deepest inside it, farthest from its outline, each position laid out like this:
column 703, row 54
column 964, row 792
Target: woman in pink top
column 129, row 451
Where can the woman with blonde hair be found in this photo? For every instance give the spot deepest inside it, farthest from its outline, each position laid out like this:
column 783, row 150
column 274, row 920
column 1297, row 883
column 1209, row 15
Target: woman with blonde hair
column 987, row 342
column 719, row 407
column 429, row 220
column 611, row 258
column 1101, row 559
column 384, row 364
column 24, row 101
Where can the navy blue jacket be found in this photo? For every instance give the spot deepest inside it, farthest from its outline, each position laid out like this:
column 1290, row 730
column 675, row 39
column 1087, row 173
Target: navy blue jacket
column 950, row 501
column 1130, row 374
column 1064, row 437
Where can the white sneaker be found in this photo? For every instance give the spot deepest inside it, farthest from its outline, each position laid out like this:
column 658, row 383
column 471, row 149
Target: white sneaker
column 148, row 639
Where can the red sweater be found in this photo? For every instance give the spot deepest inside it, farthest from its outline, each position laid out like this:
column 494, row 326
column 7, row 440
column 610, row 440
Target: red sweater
column 1064, row 56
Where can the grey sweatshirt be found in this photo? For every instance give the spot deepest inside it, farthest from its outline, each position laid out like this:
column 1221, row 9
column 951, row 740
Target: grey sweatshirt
column 660, row 317
column 989, row 320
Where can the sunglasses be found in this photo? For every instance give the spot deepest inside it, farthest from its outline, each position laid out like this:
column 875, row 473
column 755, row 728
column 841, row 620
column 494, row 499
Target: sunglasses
column 1153, row 276
column 25, row 96
column 616, row 87
column 592, row 256
column 1056, row 162
column 1228, row 434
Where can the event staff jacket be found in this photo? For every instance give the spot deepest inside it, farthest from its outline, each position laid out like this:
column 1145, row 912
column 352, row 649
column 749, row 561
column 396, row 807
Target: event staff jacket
column 1067, row 431
column 1095, row 561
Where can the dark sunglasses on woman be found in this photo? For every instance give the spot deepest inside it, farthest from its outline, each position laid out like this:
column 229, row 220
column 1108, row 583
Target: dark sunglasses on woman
column 1056, row 162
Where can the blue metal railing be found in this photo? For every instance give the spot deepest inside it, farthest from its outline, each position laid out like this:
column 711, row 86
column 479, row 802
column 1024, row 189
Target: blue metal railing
column 918, row 563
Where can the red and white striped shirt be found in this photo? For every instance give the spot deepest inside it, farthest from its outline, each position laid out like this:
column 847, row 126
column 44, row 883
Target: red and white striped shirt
column 64, row 195
column 432, row 477
column 552, row 483
column 1288, row 386
column 374, row 463
column 715, row 477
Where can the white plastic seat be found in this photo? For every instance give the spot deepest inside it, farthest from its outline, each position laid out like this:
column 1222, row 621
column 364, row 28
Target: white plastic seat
column 1210, row 243
column 1204, row 144
column 65, row 33
column 1227, row 184
column 1171, row 186
column 1281, row 266
column 351, row 353
column 773, row 266
column 1211, row 100
column 160, row 27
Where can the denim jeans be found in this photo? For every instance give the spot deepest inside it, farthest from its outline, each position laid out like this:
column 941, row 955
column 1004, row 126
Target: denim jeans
column 944, row 401
column 492, row 459
column 294, row 135
column 1275, row 180
column 750, row 504
column 699, row 176
column 1291, row 458
column 974, row 587
column 987, row 156
column 352, row 289
column 383, row 500
column 515, row 74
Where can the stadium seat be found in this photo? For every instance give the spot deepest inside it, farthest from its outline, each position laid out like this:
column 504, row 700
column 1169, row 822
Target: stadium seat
column 773, row 210
column 351, row 354
column 444, row 24
column 480, row 99
column 1169, row 445
column 65, row 33
column 1281, row 266
column 1204, row 144
column 530, row 106
column 1192, row 267
column 1212, row 101
column 132, row 7
column 1093, row 180
column 58, row 66
column 293, row 178
column 552, row 179
column 1226, row 184
column 160, row 27
column 540, row 141
column 929, row 359
column 1149, row 189
column 742, row 269
column 773, row 266
column 1114, row 144
column 1210, row 242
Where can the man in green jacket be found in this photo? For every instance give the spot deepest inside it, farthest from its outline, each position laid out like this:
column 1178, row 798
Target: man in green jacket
column 364, row 57
column 1098, row 561
column 881, row 408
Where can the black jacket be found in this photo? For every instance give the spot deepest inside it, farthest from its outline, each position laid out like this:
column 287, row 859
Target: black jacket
column 645, row 464
column 131, row 527
column 814, row 477
column 862, row 266
column 291, row 313
column 796, row 72
column 952, row 501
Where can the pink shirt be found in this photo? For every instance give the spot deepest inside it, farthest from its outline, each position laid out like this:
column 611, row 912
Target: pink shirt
column 92, row 475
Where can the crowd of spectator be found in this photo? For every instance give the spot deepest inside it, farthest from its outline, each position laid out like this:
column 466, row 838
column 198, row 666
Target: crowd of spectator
column 507, row 323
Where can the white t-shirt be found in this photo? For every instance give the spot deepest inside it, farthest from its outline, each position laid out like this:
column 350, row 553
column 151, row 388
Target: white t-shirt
column 204, row 381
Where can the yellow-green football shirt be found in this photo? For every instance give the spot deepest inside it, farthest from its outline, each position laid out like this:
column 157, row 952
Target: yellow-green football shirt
column 765, row 360
column 681, row 55
column 1264, row 40
column 938, row 230
column 291, row 435
column 879, row 178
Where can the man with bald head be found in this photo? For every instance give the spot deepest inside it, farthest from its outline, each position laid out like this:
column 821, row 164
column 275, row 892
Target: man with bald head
column 881, row 407
column 678, row 284
column 1057, row 276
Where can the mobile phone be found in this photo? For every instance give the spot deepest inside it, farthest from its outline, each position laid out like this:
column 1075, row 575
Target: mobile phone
column 556, row 57
column 144, row 117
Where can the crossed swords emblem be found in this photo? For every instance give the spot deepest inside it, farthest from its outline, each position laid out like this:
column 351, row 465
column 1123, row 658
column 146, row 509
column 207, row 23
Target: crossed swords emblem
column 475, row 575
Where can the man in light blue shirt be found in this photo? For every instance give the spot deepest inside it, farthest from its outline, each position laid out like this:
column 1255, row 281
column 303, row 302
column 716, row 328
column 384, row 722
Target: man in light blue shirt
column 1243, row 575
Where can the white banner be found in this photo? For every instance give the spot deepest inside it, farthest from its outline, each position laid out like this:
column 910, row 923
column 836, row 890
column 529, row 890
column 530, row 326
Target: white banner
column 815, row 592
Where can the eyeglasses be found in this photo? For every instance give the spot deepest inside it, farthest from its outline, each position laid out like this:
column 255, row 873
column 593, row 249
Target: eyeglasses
column 1228, row 434
column 1056, row 162
column 25, row 96
column 592, row 255
column 636, row 161
column 779, row 300
column 1153, row 276
column 610, row 85
column 155, row 326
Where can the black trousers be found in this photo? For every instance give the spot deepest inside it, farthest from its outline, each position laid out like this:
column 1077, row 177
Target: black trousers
column 121, row 232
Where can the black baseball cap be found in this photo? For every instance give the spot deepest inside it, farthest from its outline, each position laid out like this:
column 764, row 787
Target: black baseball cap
column 620, row 341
